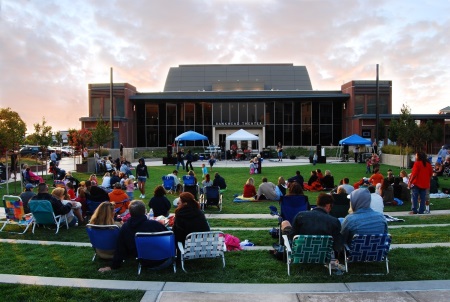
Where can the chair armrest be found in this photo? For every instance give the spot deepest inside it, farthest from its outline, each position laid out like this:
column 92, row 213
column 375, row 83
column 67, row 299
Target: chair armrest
column 286, row 243
column 181, row 247
column 346, row 247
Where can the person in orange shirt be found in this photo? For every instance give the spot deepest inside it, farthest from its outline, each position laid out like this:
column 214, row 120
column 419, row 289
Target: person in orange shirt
column 118, row 196
column 376, row 178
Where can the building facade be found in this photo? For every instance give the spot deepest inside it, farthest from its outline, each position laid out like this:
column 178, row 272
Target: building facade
column 273, row 101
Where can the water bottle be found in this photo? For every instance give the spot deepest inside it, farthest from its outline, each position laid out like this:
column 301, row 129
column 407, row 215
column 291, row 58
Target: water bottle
column 150, row 215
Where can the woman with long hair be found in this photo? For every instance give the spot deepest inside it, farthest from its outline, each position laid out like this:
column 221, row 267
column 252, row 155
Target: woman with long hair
column 419, row 182
column 60, row 193
column 104, row 214
column 159, row 202
column 387, row 192
column 188, row 217
column 249, row 188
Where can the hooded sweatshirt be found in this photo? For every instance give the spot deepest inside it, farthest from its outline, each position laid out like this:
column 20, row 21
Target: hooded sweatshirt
column 188, row 220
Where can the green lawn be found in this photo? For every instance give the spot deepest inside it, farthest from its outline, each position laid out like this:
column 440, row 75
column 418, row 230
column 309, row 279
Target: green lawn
column 242, row 267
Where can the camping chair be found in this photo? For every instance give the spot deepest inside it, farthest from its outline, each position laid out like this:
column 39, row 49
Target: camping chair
column 169, row 184
column 92, row 206
column 309, row 249
column 211, row 197
column 157, row 246
column 290, row 205
column 15, row 213
column 190, row 186
column 368, row 248
column 42, row 212
column 341, row 205
column 103, row 238
column 203, row 245
column 120, row 207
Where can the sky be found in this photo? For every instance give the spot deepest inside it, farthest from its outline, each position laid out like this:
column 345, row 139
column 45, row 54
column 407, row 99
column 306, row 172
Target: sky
column 50, row 50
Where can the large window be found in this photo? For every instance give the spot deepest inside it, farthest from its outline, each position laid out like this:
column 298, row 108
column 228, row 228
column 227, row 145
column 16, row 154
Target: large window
column 359, row 104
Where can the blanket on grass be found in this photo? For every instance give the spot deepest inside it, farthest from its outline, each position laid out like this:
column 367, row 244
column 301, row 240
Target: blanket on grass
column 392, row 219
column 241, row 198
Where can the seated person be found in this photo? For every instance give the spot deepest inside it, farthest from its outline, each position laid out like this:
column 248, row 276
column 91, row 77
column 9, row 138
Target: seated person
column 397, row 188
column 114, row 178
column 33, row 178
column 297, row 178
column 58, row 173
column 97, row 194
column 438, row 169
column 387, row 192
column 106, row 181
column 125, row 168
column 126, row 247
column 104, row 215
column 305, row 223
column 376, row 201
column 346, row 185
column 176, row 180
column 266, row 191
column 249, row 188
column 26, row 195
column 118, row 196
column 313, row 183
column 58, row 207
column 364, row 220
column 434, row 183
column 281, row 188
column 328, row 180
column 219, row 181
column 207, row 182
column 159, row 202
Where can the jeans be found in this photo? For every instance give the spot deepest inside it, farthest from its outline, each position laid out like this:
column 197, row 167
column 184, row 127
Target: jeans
column 416, row 192
column 178, row 164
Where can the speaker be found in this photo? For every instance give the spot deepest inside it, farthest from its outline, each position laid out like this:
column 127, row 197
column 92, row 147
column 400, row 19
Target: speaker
column 345, row 149
column 169, row 150
column 318, row 150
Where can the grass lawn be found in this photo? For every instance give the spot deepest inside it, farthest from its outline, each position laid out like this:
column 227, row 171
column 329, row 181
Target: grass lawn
column 241, row 267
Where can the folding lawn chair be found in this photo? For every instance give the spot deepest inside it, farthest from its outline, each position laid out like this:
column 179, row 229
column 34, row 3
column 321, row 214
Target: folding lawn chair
column 368, row 248
column 290, row 205
column 15, row 214
column 156, row 246
column 341, row 205
column 211, row 197
column 190, row 186
column 203, row 245
column 92, row 206
column 309, row 249
column 42, row 212
column 169, row 184
column 103, row 238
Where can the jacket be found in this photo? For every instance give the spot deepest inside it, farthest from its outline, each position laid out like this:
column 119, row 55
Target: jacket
column 189, row 220
column 118, row 195
column 58, row 207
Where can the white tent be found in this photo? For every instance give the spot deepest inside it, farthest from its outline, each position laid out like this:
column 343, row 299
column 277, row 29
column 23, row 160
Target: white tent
column 242, row 135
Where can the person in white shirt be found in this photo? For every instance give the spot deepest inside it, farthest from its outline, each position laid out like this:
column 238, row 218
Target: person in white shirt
column 346, row 186
column 376, row 201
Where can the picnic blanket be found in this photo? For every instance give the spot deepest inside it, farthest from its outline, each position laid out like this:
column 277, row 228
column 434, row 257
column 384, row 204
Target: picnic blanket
column 439, row 195
column 392, row 219
column 241, row 198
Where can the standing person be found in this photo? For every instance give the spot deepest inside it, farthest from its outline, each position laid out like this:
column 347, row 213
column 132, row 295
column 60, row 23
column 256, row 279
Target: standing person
column 419, row 182
column 314, row 159
column 375, row 147
column 259, row 163
column 85, row 152
column 280, row 151
column 180, row 159
column 212, row 161
column 54, row 157
column 121, row 149
column 189, row 160
column 141, row 175
column 356, row 152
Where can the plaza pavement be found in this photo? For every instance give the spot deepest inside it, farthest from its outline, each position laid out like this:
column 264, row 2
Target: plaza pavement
column 414, row 291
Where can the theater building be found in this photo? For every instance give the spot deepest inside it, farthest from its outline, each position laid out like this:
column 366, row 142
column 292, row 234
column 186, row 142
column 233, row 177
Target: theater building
column 273, row 101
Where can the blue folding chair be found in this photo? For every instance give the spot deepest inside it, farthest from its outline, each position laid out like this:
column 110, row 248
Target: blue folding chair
column 290, row 205
column 211, row 197
column 103, row 239
column 368, row 248
column 190, row 186
column 156, row 247
column 92, row 206
column 169, row 184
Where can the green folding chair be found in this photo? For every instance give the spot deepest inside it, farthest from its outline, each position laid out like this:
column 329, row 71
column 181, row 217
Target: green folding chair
column 42, row 212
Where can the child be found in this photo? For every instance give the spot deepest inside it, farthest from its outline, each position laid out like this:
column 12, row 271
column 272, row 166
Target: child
column 212, row 161
column 252, row 167
column 368, row 166
column 204, row 171
column 70, row 191
column 314, row 159
column 129, row 183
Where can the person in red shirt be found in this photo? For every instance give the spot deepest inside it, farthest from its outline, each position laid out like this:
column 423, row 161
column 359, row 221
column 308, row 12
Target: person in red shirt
column 376, row 178
column 249, row 188
column 419, row 181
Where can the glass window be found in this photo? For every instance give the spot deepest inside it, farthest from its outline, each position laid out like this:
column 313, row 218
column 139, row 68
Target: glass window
column 225, row 112
column 151, row 114
column 234, row 112
column 171, row 111
column 260, row 116
column 199, row 113
column 297, row 113
column 288, row 112
column 359, row 104
column 326, row 113
column 326, row 135
column 180, row 114
column 217, row 112
column 96, row 106
column 306, row 135
column 270, row 113
column 306, row 113
column 120, row 107
column 207, row 113
column 242, row 112
column 189, row 111
column 278, row 113
column 106, row 107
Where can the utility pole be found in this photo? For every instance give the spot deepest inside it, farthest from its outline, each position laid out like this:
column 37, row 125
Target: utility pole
column 111, row 108
column 377, row 113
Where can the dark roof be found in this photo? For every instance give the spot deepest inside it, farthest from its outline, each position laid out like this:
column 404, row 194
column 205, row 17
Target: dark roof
column 226, row 77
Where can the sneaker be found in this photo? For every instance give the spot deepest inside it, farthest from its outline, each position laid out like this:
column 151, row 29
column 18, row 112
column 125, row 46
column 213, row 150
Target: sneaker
column 140, row 196
column 143, row 196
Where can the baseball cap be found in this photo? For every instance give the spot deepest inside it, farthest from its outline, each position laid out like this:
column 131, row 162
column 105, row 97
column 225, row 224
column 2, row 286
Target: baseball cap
column 29, row 186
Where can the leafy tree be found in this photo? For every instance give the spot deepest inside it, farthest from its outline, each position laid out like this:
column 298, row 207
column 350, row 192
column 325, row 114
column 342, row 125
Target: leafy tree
column 12, row 130
column 79, row 138
column 102, row 133
column 43, row 134
column 58, row 138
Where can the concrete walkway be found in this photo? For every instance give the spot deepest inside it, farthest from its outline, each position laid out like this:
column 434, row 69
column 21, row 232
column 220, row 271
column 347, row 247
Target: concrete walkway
column 413, row 291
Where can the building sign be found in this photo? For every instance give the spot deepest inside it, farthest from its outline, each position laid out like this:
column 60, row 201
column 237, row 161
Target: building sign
column 239, row 124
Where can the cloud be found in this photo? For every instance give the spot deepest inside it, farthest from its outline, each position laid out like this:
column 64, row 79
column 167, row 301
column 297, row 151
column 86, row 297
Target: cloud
column 52, row 50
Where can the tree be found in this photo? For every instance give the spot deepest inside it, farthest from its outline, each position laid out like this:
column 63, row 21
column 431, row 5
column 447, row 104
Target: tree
column 12, row 130
column 43, row 135
column 79, row 138
column 58, row 138
column 102, row 133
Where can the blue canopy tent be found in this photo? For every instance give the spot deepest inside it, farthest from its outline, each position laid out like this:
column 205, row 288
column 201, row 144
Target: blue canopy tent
column 190, row 136
column 352, row 140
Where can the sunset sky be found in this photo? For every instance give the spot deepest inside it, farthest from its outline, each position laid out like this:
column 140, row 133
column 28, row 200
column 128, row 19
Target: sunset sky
column 50, row 50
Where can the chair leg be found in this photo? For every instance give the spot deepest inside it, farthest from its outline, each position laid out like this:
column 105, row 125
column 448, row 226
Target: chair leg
column 223, row 260
column 139, row 268
column 182, row 264
column 345, row 259
column 387, row 265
